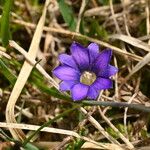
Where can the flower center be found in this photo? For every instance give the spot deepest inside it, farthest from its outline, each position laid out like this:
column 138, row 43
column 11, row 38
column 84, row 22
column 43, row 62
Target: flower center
column 87, row 77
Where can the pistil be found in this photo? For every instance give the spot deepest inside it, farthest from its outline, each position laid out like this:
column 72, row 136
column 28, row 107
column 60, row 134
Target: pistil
column 87, row 77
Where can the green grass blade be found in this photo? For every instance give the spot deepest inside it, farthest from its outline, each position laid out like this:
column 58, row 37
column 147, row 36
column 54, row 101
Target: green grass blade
column 50, row 91
column 37, row 80
column 5, row 21
column 67, row 14
column 7, row 73
column 29, row 146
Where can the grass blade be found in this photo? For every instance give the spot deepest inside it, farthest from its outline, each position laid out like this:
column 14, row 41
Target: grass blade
column 7, row 73
column 67, row 14
column 5, row 22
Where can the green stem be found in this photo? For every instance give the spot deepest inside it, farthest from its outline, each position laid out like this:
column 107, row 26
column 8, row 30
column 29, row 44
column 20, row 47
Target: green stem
column 6, row 136
column 117, row 104
column 49, row 122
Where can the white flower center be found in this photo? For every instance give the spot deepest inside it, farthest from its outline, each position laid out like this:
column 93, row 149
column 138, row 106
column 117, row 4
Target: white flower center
column 87, row 77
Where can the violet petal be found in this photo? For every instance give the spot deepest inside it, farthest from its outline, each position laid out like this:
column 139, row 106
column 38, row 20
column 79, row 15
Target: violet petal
column 92, row 93
column 66, row 85
column 102, row 61
column 108, row 72
column 80, row 55
column 93, row 52
column 79, row 91
column 67, row 60
column 102, row 84
column 66, row 73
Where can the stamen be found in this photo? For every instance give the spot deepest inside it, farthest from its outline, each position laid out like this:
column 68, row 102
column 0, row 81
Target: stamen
column 87, row 77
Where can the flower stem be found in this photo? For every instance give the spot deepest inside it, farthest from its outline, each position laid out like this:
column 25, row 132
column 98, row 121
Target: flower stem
column 50, row 122
column 118, row 104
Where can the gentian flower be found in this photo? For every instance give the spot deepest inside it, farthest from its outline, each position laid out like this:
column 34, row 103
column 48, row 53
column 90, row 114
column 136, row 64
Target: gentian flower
column 86, row 71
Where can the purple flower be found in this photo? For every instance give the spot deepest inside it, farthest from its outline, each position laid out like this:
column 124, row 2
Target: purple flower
column 86, row 71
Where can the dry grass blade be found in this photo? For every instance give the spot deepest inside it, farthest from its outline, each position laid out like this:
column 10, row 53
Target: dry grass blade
column 5, row 55
column 116, row 130
column 2, row 53
column 99, row 11
column 33, row 62
column 125, row 113
column 137, row 67
column 147, row 17
column 88, row 145
column 131, row 40
column 23, row 76
column 99, row 127
column 113, row 16
column 3, row 49
column 83, row 5
column 74, row 34
column 50, row 130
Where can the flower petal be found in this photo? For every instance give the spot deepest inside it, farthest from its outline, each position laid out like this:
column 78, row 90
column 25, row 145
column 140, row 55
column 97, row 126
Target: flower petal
column 67, row 60
column 79, row 91
column 66, row 85
column 102, row 84
column 80, row 55
column 66, row 73
column 102, row 61
column 108, row 72
column 92, row 93
column 93, row 52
